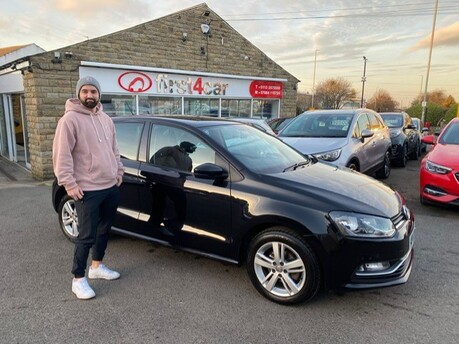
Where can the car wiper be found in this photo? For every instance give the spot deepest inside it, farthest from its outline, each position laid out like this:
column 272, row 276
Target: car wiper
column 298, row 164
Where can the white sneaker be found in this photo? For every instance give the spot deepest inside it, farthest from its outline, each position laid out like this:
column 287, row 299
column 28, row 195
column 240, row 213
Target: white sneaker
column 102, row 272
column 82, row 289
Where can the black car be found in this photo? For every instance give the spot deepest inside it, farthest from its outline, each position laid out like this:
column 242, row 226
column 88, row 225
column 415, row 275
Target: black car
column 299, row 225
column 406, row 140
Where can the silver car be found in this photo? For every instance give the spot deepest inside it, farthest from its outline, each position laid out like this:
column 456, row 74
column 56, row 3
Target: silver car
column 354, row 138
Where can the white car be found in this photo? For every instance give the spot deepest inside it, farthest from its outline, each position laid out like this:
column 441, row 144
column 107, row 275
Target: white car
column 354, row 138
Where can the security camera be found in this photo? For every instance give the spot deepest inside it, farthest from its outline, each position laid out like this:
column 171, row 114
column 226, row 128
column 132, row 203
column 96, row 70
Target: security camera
column 205, row 28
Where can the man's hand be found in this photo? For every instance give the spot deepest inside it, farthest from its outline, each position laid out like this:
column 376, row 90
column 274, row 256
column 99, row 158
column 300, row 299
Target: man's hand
column 119, row 180
column 75, row 193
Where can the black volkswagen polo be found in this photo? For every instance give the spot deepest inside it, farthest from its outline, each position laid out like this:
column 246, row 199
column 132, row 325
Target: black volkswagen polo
column 231, row 192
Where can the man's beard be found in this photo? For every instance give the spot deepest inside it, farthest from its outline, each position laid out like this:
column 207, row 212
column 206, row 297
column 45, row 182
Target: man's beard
column 90, row 103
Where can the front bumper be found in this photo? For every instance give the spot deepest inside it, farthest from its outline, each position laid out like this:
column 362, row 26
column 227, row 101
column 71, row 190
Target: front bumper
column 396, row 151
column 393, row 258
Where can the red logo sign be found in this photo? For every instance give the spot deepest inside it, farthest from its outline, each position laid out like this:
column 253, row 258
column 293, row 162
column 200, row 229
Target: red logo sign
column 266, row 89
column 135, row 82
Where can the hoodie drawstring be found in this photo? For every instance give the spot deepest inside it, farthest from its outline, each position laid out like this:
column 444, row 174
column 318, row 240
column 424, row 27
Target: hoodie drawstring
column 103, row 128
column 95, row 128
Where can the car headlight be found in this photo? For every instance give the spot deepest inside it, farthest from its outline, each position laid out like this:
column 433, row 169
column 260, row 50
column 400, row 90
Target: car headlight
column 362, row 225
column 435, row 168
column 329, row 156
column 395, row 133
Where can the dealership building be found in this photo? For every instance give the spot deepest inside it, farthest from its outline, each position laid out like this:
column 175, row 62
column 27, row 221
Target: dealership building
column 190, row 62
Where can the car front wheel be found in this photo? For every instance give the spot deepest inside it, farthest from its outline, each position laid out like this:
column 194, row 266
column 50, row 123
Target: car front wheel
column 68, row 219
column 384, row 171
column 283, row 267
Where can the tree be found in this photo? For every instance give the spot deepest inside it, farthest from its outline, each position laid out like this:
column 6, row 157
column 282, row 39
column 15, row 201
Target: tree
column 438, row 97
column 303, row 102
column 382, row 102
column 435, row 113
column 333, row 93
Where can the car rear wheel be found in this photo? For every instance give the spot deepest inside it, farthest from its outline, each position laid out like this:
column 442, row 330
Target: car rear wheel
column 282, row 266
column 384, row 171
column 68, row 219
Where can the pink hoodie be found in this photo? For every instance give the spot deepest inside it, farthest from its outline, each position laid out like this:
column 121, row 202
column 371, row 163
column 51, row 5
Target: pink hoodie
column 85, row 152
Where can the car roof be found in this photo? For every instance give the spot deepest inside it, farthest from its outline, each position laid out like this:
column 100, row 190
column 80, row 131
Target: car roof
column 194, row 121
column 336, row 111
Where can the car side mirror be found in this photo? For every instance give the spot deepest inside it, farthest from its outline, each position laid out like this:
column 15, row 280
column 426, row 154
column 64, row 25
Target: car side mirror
column 411, row 126
column 429, row 139
column 210, row 171
column 366, row 133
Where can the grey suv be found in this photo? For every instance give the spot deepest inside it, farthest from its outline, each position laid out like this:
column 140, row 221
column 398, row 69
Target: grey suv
column 354, row 138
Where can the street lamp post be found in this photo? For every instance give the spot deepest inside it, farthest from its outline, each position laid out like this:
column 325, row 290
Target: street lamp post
column 364, row 78
column 424, row 103
column 314, row 79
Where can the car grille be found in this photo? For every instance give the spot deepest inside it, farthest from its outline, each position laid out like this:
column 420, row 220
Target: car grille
column 400, row 219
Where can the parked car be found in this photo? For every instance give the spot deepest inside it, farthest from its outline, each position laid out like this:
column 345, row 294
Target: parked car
column 255, row 122
column 354, row 138
column 277, row 124
column 422, row 131
column 406, row 140
column 439, row 173
column 299, row 225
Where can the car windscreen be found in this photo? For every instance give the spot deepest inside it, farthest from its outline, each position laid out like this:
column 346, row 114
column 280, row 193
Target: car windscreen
column 318, row 125
column 393, row 121
column 256, row 150
column 451, row 135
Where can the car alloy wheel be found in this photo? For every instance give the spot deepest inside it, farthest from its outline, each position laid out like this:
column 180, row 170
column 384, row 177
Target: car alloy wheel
column 68, row 218
column 282, row 267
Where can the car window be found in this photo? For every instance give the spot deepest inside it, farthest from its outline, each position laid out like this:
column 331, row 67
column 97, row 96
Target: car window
column 128, row 137
column 362, row 124
column 257, row 151
column 450, row 135
column 393, row 121
column 177, row 148
column 319, row 125
column 374, row 123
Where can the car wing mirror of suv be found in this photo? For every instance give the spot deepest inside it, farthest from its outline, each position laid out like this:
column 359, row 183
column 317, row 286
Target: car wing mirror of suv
column 210, row 171
column 366, row 133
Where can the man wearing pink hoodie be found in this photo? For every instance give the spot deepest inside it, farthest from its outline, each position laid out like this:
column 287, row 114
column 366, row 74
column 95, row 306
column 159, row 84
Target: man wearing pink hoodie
column 87, row 163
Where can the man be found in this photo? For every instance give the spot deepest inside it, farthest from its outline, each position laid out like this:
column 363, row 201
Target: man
column 87, row 163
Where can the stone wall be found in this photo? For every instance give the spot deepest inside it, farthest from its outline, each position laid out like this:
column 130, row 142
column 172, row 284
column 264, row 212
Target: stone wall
column 156, row 43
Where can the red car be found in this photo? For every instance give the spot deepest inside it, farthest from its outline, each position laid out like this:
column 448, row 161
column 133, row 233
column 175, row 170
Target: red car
column 439, row 179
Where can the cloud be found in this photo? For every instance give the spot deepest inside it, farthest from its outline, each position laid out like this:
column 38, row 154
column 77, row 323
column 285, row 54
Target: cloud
column 447, row 36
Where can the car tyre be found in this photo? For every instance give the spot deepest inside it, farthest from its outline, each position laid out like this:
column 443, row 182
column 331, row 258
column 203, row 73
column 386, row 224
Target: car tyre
column 68, row 219
column 403, row 156
column 416, row 152
column 283, row 267
column 353, row 166
column 384, row 171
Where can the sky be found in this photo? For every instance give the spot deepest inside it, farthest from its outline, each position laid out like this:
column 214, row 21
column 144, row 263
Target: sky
column 314, row 40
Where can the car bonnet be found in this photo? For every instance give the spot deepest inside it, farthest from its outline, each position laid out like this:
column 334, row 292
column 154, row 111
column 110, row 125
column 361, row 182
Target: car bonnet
column 339, row 188
column 314, row 145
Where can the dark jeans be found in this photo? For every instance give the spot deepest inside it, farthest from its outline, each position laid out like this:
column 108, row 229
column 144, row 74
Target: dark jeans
column 96, row 214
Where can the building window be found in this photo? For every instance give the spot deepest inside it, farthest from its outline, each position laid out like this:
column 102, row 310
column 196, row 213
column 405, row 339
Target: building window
column 265, row 109
column 150, row 105
column 116, row 105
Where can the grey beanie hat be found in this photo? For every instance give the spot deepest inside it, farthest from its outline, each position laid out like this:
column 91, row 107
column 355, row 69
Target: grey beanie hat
column 87, row 80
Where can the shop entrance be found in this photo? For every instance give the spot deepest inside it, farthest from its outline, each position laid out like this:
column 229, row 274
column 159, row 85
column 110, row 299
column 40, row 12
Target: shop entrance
column 13, row 129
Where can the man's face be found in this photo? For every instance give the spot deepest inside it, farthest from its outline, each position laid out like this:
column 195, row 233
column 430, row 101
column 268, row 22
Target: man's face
column 89, row 96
